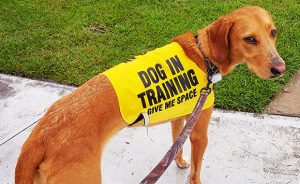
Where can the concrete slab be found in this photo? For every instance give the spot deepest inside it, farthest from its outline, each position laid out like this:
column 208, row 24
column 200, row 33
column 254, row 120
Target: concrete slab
column 243, row 148
column 23, row 101
column 287, row 101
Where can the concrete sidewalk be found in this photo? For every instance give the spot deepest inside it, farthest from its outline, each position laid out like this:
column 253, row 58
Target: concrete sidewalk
column 243, row 148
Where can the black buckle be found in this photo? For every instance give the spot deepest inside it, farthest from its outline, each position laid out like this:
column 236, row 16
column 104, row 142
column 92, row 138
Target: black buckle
column 206, row 89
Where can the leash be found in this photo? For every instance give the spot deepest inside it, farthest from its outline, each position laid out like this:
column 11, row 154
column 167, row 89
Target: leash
column 161, row 167
column 19, row 132
column 213, row 76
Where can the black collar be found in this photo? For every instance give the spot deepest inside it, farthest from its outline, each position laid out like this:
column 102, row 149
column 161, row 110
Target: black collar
column 211, row 69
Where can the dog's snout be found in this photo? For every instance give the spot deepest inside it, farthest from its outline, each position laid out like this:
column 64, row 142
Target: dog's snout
column 278, row 67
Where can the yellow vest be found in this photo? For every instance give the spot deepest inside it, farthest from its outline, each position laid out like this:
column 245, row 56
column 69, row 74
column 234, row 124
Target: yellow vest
column 162, row 84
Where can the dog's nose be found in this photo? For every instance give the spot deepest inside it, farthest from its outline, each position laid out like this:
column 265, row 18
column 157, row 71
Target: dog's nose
column 276, row 72
column 278, row 67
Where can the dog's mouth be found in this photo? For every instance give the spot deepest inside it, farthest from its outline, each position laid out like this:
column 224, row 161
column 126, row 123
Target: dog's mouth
column 274, row 76
column 271, row 73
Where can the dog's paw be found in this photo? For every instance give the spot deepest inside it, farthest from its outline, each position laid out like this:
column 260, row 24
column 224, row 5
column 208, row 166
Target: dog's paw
column 193, row 181
column 181, row 163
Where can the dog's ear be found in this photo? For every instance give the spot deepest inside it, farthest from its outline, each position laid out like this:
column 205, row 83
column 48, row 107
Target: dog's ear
column 218, row 37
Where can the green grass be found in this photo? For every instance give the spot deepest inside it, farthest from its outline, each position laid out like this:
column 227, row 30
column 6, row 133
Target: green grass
column 71, row 41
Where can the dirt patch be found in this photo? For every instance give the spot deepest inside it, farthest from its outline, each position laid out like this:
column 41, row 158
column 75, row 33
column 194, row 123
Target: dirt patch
column 6, row 90
column 287, row 102
column 98, row 28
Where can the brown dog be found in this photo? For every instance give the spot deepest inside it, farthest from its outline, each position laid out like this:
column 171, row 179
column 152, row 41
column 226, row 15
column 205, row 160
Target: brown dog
column 67, row 144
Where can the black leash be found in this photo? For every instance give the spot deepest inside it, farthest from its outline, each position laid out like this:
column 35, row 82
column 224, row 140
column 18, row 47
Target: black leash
column 19, row 132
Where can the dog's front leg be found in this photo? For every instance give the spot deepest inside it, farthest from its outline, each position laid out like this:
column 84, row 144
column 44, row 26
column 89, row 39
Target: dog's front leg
column 199, row 142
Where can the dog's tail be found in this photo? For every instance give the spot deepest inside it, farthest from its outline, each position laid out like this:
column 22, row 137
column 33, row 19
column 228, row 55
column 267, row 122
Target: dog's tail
column 31, row 156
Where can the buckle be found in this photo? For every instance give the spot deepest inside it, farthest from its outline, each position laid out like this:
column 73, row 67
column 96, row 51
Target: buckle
column 206, row 89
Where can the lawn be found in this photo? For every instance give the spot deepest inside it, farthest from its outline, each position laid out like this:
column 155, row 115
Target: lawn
column 71, row 41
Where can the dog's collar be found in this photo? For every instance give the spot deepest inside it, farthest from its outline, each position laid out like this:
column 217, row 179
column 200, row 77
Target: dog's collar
column 213, row 74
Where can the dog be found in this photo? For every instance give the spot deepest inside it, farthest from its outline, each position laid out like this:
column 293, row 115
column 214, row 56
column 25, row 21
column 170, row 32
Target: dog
column 67, row 144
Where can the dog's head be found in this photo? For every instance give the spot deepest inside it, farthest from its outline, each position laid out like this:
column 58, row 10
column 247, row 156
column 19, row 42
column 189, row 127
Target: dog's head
column 247, row 35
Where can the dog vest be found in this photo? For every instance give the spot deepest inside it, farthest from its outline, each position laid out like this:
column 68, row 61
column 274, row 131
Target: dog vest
column 162, row 84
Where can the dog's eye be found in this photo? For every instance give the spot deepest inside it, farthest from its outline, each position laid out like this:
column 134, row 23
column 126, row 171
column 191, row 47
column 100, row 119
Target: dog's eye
column 274, row 33
column 250, row 40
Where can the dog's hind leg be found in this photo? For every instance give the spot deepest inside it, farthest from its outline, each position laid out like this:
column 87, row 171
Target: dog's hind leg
column 177, row 126
column 31, row 155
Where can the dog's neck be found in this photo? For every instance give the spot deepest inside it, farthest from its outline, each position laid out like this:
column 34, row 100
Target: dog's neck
column 197, row 52
column 188, row 44
column 206, row 50
column 204, row 46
